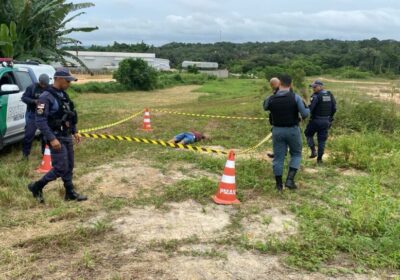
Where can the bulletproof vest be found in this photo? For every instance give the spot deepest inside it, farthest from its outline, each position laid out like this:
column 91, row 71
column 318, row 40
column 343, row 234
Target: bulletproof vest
column 37, row 91
column 284, row 110
column 65, row 116
column 324, row 105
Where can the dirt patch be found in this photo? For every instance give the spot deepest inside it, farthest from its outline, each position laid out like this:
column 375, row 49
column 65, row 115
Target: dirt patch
column 269, row 223
column 182, row 220
column 82, row 79
column 311, row 170
column 351, row 172
column 236, row 265
column 126, row 179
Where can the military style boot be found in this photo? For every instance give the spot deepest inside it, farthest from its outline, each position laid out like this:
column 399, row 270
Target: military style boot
column 279, row 184
column 36, row 189
column 313, row 153
column 290, row 184
column 70, row 194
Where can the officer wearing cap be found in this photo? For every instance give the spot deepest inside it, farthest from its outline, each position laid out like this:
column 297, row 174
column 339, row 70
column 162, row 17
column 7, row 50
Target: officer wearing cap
column 285, row 107
column 56, row 118
column 30, row 98
column 323, row 109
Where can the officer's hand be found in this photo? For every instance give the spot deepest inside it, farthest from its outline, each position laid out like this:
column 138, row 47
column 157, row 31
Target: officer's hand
column 78, row 138
column 55, row 144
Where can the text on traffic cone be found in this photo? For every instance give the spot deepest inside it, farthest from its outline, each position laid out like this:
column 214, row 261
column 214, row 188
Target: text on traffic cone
column 226, row 193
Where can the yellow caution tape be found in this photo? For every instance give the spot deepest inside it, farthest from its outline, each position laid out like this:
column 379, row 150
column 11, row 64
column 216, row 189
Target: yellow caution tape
column 267, row 138
column 110, row 125
column 153, row 142
column 207, row 116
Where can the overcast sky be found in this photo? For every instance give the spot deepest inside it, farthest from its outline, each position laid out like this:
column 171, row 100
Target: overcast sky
column 161, row 21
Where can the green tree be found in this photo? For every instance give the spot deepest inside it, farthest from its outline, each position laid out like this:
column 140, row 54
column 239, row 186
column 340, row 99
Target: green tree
column 136, row 74
column 42, row 27
column 8, row 35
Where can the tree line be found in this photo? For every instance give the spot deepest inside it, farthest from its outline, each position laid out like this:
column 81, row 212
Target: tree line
column 314, row 57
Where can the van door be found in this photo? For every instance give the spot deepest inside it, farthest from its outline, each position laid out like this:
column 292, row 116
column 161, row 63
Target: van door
column 12, row 107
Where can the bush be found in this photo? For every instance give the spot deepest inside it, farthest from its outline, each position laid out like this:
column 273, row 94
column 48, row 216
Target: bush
column 349, row 73
column 99, row 87
column 136, row 74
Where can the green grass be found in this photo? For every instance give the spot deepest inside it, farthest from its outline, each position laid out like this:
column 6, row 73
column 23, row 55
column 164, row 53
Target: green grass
column 352, row 215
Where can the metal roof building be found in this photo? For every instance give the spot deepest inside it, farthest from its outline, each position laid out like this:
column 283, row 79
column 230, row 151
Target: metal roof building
column 111, row 60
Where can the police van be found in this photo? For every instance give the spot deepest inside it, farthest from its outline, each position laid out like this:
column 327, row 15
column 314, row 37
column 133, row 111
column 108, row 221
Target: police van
column 14, row 79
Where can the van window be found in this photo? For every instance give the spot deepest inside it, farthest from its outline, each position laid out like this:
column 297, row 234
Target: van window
column 7, row 79
column 24, row 79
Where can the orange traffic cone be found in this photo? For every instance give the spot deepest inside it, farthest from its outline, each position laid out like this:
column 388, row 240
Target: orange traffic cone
column 226, row 193
column 147, row 121
column 45, row 165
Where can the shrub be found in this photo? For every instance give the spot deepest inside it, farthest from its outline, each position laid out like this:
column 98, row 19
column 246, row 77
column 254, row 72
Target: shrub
column 136, row 74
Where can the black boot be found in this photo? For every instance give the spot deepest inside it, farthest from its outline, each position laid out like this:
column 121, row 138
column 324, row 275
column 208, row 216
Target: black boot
column 313, row 153
column 279, row 184
column 319, row 160
column 290, row 184
column 270, row 155
column 37, row 190
column 70, row 194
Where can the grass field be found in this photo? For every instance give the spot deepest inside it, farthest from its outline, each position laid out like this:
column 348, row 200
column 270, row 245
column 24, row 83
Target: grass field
column 150, row 215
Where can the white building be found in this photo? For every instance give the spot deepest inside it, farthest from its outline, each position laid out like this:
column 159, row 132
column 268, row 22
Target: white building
column 110, row 60
column 200, row 64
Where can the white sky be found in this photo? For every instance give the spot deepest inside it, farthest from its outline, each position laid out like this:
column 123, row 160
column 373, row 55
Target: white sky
column 162, row 21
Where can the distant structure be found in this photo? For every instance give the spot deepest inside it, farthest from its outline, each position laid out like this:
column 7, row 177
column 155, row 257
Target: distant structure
column 209, row 68
column 97, row 61
column 201, row 65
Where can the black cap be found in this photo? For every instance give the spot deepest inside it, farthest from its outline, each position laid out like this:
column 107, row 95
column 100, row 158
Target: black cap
column 64, row 74
column 317, row 83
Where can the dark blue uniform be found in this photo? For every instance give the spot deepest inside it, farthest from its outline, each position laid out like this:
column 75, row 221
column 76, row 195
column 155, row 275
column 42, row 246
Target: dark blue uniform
column 323, row 109
column 54, row 119
column 30, row 98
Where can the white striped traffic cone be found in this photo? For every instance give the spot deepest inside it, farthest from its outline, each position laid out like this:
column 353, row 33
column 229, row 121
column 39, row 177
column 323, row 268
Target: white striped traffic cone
column 226, row 193
column 147, row 121
column 45, row 165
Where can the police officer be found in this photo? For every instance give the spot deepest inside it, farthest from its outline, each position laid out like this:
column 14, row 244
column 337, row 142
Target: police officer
column 56, row 118
column 323, row 109
column 30, row 98
column 285, row 107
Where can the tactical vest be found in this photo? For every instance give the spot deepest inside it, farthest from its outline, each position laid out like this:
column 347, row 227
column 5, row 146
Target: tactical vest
column 37, row 91
column 284, row 110
column 66, row 116
column 324, row 105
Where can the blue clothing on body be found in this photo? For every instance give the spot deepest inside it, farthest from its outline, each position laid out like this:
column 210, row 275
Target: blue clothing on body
column 185, row 137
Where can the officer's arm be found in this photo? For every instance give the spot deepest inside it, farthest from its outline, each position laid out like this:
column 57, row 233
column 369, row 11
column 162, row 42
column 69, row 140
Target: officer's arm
column 333, row 105
column 304, row 111
column 266, row 104
column 314, row 102
column 42, row 114
column 27, row 96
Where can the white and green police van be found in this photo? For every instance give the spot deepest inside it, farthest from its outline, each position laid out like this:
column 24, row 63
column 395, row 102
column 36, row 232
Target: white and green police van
column 14, row 79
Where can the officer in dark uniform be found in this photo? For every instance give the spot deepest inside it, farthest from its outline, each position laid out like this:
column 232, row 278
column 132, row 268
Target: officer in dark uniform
column 56, row 118
column 285, row 107
column 323, row 109
column 30, row 98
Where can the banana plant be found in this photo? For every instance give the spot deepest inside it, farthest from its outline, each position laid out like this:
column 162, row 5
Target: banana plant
column 8, row 36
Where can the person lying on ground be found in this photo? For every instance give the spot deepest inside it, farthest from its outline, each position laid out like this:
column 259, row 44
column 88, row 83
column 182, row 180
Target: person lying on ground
column 186, row 138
